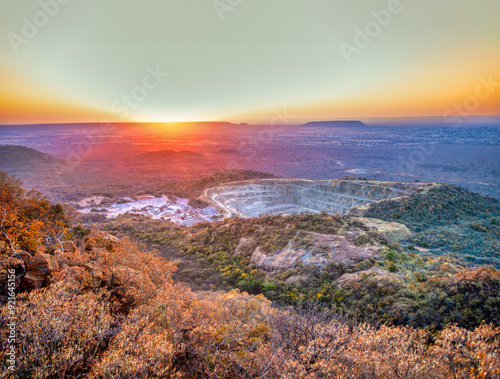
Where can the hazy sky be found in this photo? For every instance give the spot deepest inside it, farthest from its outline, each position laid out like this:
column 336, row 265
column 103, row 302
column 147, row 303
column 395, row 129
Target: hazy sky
column 82, row 60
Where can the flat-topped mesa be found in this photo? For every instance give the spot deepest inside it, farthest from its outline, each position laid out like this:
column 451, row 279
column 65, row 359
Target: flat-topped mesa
column 290, row 196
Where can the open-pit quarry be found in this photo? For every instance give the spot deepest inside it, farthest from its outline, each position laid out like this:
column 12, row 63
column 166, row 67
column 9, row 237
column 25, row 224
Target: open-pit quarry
column 290, row 196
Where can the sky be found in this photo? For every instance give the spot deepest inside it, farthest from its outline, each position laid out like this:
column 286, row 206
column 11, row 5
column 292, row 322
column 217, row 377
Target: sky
column 247, row 60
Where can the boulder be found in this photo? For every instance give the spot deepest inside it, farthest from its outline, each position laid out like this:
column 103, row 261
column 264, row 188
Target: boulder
column 69, row 247
column 101, row 240
column 42, row 264
column 38, row 268
column 32, row 281
column 99, row 276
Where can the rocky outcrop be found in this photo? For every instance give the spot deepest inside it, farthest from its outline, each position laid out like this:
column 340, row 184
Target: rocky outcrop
column 38, row 269
column 290, row 196
column 35, row 270
column 315, row 250
column 87, row 275
column 243, row 245
column 300, row 279
column 101, row 240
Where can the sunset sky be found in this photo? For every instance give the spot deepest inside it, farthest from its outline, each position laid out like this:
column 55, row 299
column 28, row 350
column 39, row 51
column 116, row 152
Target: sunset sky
column 239, row 61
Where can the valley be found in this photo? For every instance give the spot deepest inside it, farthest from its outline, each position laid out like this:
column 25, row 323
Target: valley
column 129, row 158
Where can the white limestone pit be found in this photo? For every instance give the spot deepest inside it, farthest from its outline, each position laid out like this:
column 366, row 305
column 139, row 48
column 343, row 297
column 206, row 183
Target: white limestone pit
column 291, row 196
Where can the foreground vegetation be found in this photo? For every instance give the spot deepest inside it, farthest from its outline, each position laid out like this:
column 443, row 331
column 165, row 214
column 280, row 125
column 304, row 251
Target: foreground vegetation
column 108, row 309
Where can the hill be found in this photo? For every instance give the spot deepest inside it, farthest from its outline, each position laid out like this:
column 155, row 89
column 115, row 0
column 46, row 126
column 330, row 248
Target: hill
column 341, row 124
column 171, row 155
column 446, row 219
column 15, row 159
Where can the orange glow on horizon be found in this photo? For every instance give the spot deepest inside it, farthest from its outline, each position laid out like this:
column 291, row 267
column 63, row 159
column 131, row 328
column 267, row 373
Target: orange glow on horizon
column 25, row 102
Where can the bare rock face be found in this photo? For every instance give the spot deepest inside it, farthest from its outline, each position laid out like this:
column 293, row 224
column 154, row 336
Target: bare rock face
column 243, row 243
column 32, row 281
column 313, row 249
column 258, row 258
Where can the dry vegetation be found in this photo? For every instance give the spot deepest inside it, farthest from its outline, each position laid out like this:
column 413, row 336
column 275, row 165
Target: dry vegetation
column 400, row 286
column 106, row 309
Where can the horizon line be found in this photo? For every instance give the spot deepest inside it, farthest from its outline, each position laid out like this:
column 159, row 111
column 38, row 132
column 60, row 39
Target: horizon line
column 466, row 120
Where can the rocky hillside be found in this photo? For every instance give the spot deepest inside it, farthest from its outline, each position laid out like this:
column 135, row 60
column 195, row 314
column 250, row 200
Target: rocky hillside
column 440, row 218
column 344, row 263
column 90, row 305
column 446, row 219
column 18, row 159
